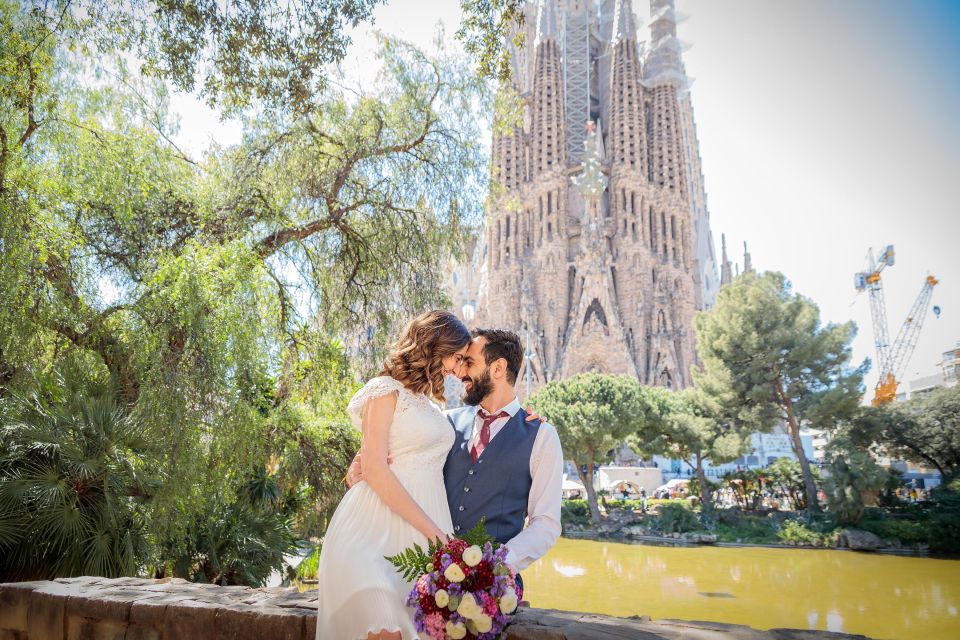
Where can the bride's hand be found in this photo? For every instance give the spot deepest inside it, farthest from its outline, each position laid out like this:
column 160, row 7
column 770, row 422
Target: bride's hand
column 355, row 472
column 438, row 534
column 531, row 414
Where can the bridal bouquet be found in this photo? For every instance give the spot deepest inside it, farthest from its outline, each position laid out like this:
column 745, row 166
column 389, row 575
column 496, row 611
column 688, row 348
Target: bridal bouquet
column 463, row 588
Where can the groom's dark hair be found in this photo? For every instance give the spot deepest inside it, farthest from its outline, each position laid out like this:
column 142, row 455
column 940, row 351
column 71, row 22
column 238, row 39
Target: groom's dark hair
column 502, row 344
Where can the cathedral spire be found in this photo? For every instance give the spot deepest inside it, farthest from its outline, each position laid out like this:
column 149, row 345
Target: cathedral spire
column 547, row 130
column 546, row 21
column 747, row 262
column 623, row 27
column 664, row 55
column 726, row 270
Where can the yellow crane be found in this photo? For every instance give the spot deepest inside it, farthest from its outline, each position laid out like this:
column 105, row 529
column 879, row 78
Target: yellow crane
column 892, row 358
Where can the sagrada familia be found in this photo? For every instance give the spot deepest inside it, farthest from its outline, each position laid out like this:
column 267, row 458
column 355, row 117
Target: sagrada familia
column 597, row 247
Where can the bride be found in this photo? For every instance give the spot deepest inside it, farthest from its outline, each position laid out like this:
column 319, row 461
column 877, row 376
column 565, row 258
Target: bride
column 397, row 504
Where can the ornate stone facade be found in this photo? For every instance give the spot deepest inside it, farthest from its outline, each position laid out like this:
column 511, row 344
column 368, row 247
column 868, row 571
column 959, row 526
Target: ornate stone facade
column 598, row 272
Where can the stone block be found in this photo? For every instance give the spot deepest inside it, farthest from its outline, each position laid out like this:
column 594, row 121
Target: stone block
column 45, row 619
column 107, row 604
column 245, row 623
column 150, row 612
column 137, row 632
column 79, row 628
column 189, row 619
column 15, row 604
column 10, row 634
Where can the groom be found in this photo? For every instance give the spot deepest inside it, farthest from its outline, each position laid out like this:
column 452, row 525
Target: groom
column 504, row 466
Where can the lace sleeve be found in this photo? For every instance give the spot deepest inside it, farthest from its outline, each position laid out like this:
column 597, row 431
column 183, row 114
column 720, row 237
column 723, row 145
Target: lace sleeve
column 375, row 387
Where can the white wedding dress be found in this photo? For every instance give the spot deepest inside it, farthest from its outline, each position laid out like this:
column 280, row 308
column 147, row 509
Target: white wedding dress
column 360, row 591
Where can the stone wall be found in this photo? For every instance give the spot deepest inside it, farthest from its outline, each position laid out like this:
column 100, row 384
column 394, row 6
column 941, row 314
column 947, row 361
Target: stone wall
column 173, row 609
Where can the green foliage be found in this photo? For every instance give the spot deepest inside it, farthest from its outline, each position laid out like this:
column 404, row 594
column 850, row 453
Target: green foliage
column 592, row 413
column 413, row 561
column 307, row 569
column 944, row 521
column 695, row 427
column 207, row 290
column 785, row 476
column 765, row 349
column 74, row 471
column 924, row 429
column 235, row 53
column 677, row 518
column 487, row 26
column 749, row 529
column 852, row 475
column 574, row 512
column 237, row 543
column 746, row 488
column 906, row 531
column 797, row 533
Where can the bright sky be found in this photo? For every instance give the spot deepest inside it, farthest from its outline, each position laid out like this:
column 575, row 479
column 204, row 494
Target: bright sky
column 825, row 128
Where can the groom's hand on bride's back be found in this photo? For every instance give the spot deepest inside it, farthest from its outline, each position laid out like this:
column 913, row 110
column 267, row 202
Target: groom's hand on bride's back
column 532, row 415
column 355, row 472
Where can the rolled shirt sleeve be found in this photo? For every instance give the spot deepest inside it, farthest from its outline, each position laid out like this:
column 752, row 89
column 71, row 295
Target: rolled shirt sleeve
column 543, row 506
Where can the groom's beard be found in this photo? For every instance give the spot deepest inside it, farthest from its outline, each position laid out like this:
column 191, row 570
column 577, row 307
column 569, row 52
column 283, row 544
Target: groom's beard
column 479, row 389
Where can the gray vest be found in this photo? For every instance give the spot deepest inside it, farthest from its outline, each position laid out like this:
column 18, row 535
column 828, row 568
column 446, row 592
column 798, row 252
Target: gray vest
column 497, row 487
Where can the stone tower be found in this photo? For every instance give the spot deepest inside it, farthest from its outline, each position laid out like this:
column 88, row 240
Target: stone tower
column 597, row 247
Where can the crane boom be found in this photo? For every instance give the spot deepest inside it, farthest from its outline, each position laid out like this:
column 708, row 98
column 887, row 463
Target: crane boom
column 892, row 359
column 909, row 333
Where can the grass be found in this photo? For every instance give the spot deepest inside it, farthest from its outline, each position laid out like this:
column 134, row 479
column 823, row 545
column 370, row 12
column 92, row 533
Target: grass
column 749, row 529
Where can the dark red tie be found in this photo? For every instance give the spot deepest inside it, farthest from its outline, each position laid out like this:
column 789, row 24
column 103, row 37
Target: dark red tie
column 488, row 419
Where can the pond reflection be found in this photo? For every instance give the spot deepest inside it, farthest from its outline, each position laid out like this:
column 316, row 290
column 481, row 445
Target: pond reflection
column 879, row 596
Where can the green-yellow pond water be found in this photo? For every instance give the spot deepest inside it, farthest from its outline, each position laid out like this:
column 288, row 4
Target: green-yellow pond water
column 876, row 595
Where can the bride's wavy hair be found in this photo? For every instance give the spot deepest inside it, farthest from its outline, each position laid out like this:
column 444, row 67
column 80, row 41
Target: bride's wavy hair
column 415, row 359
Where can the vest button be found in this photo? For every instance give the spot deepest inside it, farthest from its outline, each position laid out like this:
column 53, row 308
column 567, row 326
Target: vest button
column 466, row 489
column 470, row 473
column 461, row 507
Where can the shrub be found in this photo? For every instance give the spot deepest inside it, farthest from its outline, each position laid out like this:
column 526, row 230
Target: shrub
column 944, row 523
column 574, row 512
column 784, row 476
column 677, row 518
column 629, row 505
column 746, row 488
column 307, row 569
column 795, row 532
column 906, row 531
column 752, row 529
column 853, row 474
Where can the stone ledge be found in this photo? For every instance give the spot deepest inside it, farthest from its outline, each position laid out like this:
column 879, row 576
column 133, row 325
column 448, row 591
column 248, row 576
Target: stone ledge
column 174, row 609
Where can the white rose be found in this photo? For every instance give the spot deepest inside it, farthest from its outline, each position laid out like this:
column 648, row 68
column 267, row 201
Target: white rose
column 456, row 630
column 472, row 556
column 468, row 607
column 508, row 601
column 442, row 598
column 454, row 573
column 484, row 623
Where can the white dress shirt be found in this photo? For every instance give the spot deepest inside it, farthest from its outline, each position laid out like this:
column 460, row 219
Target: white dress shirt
column 543, row 505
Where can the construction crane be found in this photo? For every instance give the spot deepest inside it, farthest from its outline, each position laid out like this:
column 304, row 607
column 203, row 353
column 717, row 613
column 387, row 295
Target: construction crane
column 892, row 359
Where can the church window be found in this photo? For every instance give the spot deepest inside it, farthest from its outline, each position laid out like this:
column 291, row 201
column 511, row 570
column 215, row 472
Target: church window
column 508, row 227
column 549, row 203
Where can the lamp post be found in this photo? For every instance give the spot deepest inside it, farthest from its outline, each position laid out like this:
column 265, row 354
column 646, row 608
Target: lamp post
column 528, row 357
